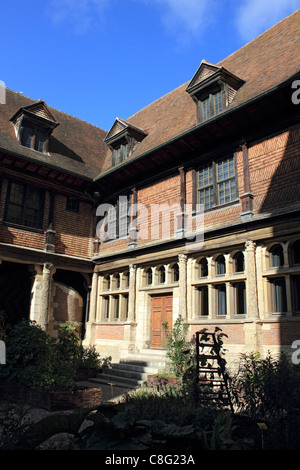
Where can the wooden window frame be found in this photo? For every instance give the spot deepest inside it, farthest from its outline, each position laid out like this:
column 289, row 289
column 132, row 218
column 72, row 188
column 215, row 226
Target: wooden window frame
column 113, row 219
column 25, row 206
column 35, row 130
column 215, row 183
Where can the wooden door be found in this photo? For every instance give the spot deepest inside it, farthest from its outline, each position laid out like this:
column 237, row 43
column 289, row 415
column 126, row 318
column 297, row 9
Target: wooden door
column 161, row 311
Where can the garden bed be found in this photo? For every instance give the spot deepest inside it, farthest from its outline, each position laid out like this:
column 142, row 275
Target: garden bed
column 53, row 400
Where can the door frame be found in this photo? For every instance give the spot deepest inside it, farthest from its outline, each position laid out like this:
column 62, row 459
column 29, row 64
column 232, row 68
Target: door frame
column 165, row 316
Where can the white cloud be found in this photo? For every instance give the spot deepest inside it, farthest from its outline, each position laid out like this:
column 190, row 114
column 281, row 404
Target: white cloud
column 82, row 14
column 188, row 13
column 256, row 16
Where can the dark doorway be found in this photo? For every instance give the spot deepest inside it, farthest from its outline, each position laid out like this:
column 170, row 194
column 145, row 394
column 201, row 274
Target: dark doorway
column 15, row 292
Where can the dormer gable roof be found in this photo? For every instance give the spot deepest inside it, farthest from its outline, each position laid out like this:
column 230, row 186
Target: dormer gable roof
column 121, row 129
column 209, row 74
column 38, row 111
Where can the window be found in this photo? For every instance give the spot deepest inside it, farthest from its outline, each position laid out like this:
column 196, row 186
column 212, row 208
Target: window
column 202, row 301
column 279, row 303
column 296, row 252
column 276, row 256
column 120, row 154
column 203, row 268
column 296, row 293
column 226, row 181
column 25, row 205
column 149, row 277
column 161, row 275
column 206, row 188
column 33, row 138
column 221, row 265
column 216, row 183
column 175, row 273
column 118, row 219
column 221, row 299
column 211, row 105
column 239, row 262
column 72, row 205
column 240, row 297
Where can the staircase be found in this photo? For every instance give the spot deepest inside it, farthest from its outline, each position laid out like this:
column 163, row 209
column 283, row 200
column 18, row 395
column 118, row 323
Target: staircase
column 131, row 372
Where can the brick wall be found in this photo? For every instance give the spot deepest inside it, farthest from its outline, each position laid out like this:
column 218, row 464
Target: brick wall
column 74, row 231
column 112, row 332
column 235, row 332
column 275, row 171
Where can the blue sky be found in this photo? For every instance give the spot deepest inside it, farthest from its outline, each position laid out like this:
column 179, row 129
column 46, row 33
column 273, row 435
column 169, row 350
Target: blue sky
column 102, row 59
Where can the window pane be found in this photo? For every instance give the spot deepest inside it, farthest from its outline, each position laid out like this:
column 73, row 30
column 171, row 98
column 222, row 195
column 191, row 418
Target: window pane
column 123, row 217
column 205, row 181
column 27, row 135
column 205, row 109
column 206, row 197
column 17, row 192
column 39, row 141
column 239, row 262
column 203, row 268
column 221, row 267
column 112, row 222
column 240, row 292
column 279, row 295
column 296, row 292
column 277, row 256
column 24, row 206
column 221, row 300
column 203, row 301
column 14, row 214
column 218, row 105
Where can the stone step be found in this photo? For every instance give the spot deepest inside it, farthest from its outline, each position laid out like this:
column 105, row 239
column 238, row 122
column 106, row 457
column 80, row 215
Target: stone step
column 131, row 372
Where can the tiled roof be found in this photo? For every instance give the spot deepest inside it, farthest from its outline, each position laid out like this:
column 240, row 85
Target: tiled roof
column 75, row 146
column 79, row 147
column 263, row 63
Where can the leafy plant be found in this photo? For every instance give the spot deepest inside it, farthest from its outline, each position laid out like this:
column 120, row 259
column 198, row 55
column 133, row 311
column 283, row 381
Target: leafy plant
column 178, row 347
column 265, row 387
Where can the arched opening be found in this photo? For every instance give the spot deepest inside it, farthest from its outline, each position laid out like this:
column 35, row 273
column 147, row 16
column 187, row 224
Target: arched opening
column 276, row 256
column 15, row 293
column 221, row 266
column 239, row 262
column 72, row 311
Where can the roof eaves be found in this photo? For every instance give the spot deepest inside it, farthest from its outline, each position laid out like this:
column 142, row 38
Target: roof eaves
column 225, row 113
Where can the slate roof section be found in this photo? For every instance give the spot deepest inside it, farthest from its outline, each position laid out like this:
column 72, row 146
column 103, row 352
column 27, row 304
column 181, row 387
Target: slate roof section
column 75, row 146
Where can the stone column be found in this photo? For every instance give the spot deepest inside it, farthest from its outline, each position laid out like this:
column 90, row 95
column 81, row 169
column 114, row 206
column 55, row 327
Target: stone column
column 45, row 296
column 251, row 283
column 131, row 296
column 182, row 262
column 93, row 300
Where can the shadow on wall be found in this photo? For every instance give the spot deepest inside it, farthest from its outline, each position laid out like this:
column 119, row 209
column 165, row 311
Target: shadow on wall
column 70, row 297
column 283, row 199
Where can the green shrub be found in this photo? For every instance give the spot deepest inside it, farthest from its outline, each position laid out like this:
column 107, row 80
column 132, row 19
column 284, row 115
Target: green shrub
column 36, row 360
column 29, row 356
column 178, row 347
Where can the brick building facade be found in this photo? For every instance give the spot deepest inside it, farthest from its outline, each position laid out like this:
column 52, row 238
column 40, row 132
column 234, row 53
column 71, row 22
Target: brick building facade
column 191, row 207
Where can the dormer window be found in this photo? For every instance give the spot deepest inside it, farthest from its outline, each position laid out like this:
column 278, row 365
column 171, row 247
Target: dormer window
column 34, row 125
column 121, row 153
column 212, row 88
column 123, row 139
